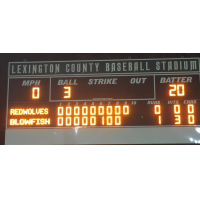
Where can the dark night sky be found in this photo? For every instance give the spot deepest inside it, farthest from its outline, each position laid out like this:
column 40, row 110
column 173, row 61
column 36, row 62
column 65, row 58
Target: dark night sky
column 5, row 58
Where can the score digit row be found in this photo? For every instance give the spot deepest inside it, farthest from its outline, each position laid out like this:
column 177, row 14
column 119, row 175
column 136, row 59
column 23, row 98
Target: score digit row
column 93, row 110
column 177, row 112
column 73, row 115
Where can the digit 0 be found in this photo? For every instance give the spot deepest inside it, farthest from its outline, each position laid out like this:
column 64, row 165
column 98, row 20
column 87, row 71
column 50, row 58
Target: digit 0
column 180, row 90
column 191, row 119
column 35, row 93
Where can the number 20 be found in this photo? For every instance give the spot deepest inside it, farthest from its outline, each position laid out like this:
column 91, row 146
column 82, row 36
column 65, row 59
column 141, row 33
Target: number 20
column 177, row 90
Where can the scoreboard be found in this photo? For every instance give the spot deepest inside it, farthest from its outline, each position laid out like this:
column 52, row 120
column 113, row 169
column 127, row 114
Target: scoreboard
column 104, row 94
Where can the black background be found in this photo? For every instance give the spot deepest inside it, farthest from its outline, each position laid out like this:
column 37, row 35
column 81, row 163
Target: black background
column 5, row 58
column 122, row 90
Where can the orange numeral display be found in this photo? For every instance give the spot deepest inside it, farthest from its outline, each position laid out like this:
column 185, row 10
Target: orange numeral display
column 190, row 119
column 84, row 110
column 93, row 110
column 76, row 110
column 177, row 119
column 84, row 121
column 126, row 110
column 60, row 121
column 117, row 110
column 68, row 121
column 109, row 121
column 76, row 121
column 157, row 111
column 67, row 92
column 35, row 93
column 60, row 110
column 86, row 115
column 177, row 110
column 177, row 90
column 103, row 121
column 109, row 110
column 101, row 110
column 118, row 120
column 68, row 110
column 93, row 121
column 190, row 108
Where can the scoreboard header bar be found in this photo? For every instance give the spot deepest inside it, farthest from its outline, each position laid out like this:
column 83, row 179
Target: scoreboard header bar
column 128, row 66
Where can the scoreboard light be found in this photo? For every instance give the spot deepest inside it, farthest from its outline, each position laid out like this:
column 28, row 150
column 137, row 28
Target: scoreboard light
column 92, row 110
column 190, row 108
column 159, row 120
column 68, row 121
column 60, row 121
column 35, row 93
column 109, row 110
column 67, row 92
column 60, row 110
column 125, row 110
column 177, row 119
column 118, row 120
column 93, row 121
column 84, row 110
column 109, row 121
column 68, row 110
column 117, row 110
column 76, row 110
column 76, row 121
column 157, row 109
column 101, row 110
column 85, row 121
column 177, row 90
column 191, row 119
column 177, row 109
column 117, row 94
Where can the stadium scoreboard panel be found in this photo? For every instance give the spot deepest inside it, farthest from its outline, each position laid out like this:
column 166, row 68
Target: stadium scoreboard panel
column 104, row 94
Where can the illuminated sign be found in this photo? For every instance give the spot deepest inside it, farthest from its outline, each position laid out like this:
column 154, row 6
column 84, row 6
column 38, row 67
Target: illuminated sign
column 119, row 93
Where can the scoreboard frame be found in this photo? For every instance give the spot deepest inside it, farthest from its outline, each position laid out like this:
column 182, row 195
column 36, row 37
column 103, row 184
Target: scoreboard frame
column 98, row 75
